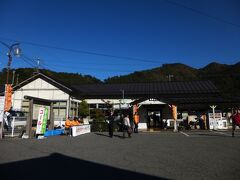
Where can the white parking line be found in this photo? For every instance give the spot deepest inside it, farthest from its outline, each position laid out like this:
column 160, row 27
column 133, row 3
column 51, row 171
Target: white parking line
column 220, row 133
column 184, row 133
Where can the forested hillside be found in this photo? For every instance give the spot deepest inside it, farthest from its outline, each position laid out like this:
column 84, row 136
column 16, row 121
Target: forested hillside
column 225, row 77
column 67, row 78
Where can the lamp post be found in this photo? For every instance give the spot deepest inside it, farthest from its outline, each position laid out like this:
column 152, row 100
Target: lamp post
column 12, row 49
column 15, row 50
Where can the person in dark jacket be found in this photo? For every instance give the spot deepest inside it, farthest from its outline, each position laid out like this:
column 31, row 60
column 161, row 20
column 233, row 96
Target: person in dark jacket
column 110, row 123
column 235, row 120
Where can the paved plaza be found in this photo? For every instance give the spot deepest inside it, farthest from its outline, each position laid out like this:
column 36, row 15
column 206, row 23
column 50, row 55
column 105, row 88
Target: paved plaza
column 146, row 155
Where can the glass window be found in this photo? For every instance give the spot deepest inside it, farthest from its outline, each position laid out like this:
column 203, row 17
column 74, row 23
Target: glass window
column 93, row 106
column 25, row 103
column 102, row 106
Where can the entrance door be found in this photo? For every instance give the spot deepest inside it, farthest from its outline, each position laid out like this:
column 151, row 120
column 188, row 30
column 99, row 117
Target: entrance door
column 154, row 119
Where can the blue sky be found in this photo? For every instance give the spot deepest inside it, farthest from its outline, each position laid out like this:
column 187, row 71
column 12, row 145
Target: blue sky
column 148, row 33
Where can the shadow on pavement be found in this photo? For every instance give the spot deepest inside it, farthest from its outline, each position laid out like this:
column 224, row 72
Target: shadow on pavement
column 58, row 166
column 115, row 135
column 101, row 134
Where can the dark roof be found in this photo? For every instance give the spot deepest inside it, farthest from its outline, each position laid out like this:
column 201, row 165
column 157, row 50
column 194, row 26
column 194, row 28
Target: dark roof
column 46, row 78
column 186, row 94
column 135, row 90
column 196, row 102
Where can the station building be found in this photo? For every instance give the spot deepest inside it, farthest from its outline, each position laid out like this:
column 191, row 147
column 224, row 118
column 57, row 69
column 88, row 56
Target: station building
column 149, row 98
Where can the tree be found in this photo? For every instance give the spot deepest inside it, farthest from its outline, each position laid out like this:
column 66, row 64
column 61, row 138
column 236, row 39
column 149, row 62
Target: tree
column 83, row 109
column 98, row 123
column 98, row 115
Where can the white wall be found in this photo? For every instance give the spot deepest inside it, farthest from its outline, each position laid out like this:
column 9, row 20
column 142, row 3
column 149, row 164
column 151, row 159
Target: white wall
column 112, row 101
column 38, row 88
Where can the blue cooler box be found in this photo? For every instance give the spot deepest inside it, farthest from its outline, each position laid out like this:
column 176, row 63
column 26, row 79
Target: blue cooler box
column 54, row 132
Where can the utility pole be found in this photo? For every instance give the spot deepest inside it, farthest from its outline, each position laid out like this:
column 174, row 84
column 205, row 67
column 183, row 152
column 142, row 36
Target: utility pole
column 122, row 96
column 13, row 49
column 38, row 64
column 13, row 78
column 17, row 79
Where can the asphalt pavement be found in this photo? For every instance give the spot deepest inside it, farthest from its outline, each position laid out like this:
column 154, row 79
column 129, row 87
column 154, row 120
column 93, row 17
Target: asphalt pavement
column 146, row 155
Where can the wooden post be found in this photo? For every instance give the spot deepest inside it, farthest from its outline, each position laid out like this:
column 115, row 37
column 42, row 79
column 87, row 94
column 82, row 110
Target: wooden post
column 51, row 125
column 29, row 120
column 214, row 120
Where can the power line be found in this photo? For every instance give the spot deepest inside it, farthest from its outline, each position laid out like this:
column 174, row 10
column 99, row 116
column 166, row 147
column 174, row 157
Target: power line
column 202, row 13
column 35, row 61
column 82, row 51
column 27, row 61
column 54, row 65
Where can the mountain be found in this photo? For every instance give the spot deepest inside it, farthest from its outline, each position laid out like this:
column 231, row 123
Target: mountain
column 22, row 74
column 225, row 77
column 177, row 72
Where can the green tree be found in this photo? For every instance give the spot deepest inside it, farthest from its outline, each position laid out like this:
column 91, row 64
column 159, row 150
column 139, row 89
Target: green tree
column 84, row 109
column 99, row 124
column 98, row 115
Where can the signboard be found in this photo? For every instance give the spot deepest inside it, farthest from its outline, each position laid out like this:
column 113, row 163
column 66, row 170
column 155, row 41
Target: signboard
column 142, row 126
column 42, row 120
column 217, row 123
column 82, row 129
column 121, row 106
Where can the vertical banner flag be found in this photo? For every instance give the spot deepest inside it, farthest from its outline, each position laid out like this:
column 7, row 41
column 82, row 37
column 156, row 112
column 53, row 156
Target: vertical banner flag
column 42, row 120
column 8, row 97
column 135, row 108
column 45, row 118
column 174, row 112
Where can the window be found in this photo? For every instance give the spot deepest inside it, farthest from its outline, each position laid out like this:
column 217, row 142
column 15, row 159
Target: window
column 92, row 106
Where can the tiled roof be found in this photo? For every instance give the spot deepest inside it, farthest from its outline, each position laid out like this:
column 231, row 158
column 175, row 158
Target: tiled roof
column 143, row 89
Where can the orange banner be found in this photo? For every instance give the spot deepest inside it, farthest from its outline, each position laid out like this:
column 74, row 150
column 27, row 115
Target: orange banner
column 174, row 112
column 135, row 108
column 8, row 97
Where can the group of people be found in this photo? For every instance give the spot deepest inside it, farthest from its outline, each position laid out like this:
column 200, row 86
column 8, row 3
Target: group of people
column 70, row 122
column 126, row 125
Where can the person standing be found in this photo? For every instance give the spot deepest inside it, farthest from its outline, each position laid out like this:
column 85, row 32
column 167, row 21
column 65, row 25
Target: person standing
column 136, row 121
column 235, row 120
column 110, row 124
column 126, row 126
column 68, row 125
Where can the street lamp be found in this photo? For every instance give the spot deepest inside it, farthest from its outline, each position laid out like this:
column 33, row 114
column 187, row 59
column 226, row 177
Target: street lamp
column 12, row 49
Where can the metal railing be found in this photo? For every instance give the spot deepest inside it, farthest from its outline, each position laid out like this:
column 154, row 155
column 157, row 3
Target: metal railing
column 14, row 126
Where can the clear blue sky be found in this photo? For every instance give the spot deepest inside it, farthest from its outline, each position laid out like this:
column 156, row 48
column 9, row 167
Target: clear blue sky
column 154, row 32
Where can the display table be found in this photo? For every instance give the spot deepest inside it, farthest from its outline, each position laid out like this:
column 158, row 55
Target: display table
column 81, row 129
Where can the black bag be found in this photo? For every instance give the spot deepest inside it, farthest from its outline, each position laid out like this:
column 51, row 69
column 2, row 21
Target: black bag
column 129, row 130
